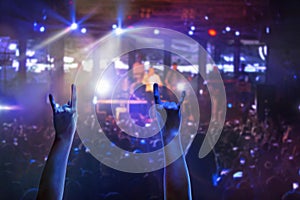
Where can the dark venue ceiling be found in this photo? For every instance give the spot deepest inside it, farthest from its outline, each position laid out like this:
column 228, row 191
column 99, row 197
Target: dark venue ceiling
column 250, row 17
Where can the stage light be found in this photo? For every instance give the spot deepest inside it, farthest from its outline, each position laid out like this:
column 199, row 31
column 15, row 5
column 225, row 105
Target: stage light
column 227, row 28
column 193, row 28
column 143, row 141
column 295, row 186
column 229, row 105
column 3, row 107
column 212, row 32
column 42, row 29
column 206, row 17
column 201, row 92
column 12, row 46
column 114, row 26
column 238, row 174
column 119, row 31
column 83, row 30
column 267, row 30
column 95, row 100
column 191, row 33
column 299, row 107
column 74, row 26
column 242, row 161
column 237, row 33
column 156, row 31
column 103, row 87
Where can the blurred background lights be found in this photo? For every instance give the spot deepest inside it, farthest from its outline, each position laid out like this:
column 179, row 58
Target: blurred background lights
column 227, row 28
column 42, row 29
column 114, row 26
column 191, row 33
column 83, row 30
column 12, row 46
column 74, row 26
column 103, row 87
column 237, row 33
column 212, row 32
column 156, row 31
column 119, row 31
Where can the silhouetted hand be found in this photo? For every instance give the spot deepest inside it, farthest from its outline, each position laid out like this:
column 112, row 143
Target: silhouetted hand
column 65, row 116
column 171, row 110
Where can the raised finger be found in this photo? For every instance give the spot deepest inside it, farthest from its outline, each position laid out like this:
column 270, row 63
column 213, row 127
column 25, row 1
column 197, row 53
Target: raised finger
column 73, row 98
column 181, row 98
column 156, row 94
column 52, row 103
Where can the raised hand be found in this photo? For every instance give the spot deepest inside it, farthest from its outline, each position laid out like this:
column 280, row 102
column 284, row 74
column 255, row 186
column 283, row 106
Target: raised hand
column 53, row 177
column 65, row 116
column 177, row 184
column 170, row 111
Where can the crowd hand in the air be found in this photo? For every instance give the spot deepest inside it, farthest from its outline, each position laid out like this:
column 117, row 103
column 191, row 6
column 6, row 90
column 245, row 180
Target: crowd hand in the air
column 170, row 111
column 65, row 116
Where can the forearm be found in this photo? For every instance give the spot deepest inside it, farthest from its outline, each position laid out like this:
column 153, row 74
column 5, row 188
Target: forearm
column 176, row 175
column 53, row 177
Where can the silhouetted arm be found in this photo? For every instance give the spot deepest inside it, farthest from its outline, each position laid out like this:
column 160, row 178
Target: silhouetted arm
column 53, row 177
column 177, row 183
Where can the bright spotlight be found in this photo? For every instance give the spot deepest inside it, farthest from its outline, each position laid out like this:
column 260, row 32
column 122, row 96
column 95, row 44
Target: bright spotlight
column 156, row 31
column 95, row 100
column 12, row 46
column 193, row 28
column 42, row 29
column 83, row 30
column 227, row 28
column 103, row 87
column 191, row 33
column 238, row 174
column 74, row 26
column 119, row 31
column 114, row 26
column 237, row 33
column 143, row 141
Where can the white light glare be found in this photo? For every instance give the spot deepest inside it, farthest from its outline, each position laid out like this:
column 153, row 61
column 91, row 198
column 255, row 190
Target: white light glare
column 12, row 46
column 83, row 30
column 227, row 28
column 237, row 33
column 114, row 26
column 42, row 29
column 193, row 28
column 119, row 31
column 95, row 100
column 74, row 26
column 103, row 87
column 191, row 33
column 156, row 31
